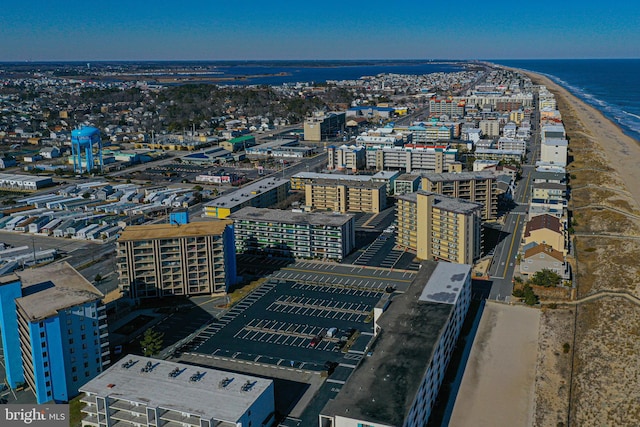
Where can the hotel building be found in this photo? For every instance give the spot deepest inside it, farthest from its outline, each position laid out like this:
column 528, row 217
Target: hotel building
column 161, row 260
column 439, row 227
column 323, row 126
column 397, row 384
column 346, row 195
column 54, row 331
column 479, row 187
column 142, row 391
column 294, row 234
column 350, row 157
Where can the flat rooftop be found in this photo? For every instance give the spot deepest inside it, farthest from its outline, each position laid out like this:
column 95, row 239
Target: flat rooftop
column 330, row 182
column 343, row 177
column 383, row 387
column 459, row 176
column 248, row 192
column 52, row 288
column 163, row 231
column 289, row 217
column 445, row 203
column 206, row 397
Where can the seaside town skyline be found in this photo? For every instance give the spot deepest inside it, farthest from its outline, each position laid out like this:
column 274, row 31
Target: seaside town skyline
column 266, row 215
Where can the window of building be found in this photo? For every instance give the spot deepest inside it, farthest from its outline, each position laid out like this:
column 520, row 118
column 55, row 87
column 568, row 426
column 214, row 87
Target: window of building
column 46, row 364
column 74, row 369
column 84, row 346
column 86, row 373
column 86, row 364
column 70, row 340
column 44, row 344
column 84, row 336
column 48, row 384
column 41, row 334
column 46, row 373
column 75, row 378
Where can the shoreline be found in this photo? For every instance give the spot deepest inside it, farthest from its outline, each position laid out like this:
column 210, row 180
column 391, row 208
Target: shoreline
column 621, row 150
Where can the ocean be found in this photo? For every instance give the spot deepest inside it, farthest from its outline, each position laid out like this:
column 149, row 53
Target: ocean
column 610, row 85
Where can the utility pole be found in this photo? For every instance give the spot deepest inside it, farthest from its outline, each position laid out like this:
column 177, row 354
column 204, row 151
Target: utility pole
column 33, row 247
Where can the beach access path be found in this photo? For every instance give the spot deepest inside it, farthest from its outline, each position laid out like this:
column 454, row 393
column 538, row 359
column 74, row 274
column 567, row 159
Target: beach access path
column 498, row 385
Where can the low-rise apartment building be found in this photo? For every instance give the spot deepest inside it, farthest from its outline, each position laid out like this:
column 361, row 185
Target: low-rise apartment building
column 289, row 234
column 346, row 196
column 260, row 194
column 142, row 391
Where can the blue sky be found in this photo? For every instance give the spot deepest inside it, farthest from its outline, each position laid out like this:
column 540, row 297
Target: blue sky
column 35, row 30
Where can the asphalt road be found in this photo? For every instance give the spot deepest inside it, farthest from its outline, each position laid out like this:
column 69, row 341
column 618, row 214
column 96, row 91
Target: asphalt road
column 504, row 264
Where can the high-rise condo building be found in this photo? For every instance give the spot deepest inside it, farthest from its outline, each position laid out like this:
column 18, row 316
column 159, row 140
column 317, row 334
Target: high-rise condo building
column 439, row 227
column 54, row 331
column 161, row 260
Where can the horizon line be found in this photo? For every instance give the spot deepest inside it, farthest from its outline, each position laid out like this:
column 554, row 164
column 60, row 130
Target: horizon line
column 312, row 60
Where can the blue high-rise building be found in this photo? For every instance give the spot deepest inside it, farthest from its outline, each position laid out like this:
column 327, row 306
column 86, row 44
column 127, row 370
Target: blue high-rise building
column 54, row 331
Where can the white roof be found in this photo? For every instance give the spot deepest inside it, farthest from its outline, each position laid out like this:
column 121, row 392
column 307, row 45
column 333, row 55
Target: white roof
column 205, row 397
column 446, row 283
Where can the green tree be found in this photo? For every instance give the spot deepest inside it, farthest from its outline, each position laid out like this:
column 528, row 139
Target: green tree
column 98, row 278
column 546, row 277
column 151, row 342
column 530, row 298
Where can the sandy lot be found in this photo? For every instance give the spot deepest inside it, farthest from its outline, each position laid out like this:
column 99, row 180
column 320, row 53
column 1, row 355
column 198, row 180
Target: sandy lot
column 498, row 384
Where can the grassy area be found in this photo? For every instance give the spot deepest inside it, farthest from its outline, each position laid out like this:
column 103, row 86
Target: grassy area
column 245, row 290
column 75, row 416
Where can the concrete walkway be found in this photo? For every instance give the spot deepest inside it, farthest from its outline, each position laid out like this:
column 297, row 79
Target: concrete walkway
column 499, row 381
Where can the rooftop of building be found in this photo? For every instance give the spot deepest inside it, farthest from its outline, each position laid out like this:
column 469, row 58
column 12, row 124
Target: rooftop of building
column 548, row 175
column 549, row 185
column 290, row 217
column 384, row 385
column 408, row 177
column 52, row 288
column 164, row 231
column 539, row 222
column 458, row 176
column 206, row 397
column 560, row 142
column 241, row 139
column 330, row 182
column 445, row 203
column 241, row 195
column 545, row 249
column 318, row 175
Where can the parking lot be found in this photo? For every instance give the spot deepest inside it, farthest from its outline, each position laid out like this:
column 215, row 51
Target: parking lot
column 292, row 324
column 345, row 275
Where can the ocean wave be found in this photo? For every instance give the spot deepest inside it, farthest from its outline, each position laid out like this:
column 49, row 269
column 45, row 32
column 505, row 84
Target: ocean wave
column 629, row 122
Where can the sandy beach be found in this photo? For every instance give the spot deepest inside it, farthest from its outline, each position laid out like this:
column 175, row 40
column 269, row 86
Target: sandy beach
column 622, row 151
column 605, row 208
